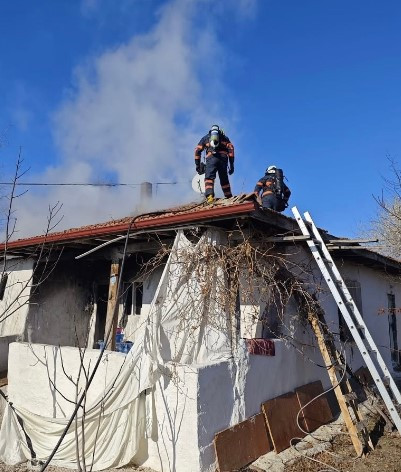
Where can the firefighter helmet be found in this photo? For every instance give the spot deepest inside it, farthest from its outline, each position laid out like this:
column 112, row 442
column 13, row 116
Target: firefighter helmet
column 271, row 170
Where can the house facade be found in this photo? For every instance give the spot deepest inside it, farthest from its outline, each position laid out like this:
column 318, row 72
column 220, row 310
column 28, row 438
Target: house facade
column 241, row 264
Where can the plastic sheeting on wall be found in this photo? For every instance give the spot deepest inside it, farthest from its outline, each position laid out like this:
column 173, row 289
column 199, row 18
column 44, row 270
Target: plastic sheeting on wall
column 187, row 324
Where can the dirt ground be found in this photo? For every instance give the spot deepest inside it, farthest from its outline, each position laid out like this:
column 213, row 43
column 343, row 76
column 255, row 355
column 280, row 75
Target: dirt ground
column 386, row 457
column 340, row 456
column 26, row 468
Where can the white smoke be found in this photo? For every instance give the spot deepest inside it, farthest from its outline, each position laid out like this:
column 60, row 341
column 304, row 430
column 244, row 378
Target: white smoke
column 134, row 113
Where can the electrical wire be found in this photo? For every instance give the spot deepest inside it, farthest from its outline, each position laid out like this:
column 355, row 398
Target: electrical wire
column 78, row 405
column 107, row 337
column 88, row 184
column 331, row 468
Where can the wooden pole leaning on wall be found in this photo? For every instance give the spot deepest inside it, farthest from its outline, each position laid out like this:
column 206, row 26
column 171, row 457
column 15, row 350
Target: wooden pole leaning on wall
column 112, row 312
column 345, row 400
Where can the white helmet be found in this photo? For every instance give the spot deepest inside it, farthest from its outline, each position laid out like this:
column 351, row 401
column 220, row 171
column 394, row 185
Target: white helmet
column 271, row 170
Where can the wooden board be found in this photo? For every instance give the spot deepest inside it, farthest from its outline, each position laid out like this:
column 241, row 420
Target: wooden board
column 242, row 444
column 281, row 418
column 330, row 356
column 318, row 412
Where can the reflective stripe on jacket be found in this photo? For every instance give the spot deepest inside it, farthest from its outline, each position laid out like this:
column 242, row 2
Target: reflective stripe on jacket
column 268, row 185
column 225, row 148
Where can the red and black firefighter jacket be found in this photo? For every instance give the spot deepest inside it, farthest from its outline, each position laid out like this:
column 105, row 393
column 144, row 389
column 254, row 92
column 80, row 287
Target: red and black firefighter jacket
column 268, row 186
column 224, row 149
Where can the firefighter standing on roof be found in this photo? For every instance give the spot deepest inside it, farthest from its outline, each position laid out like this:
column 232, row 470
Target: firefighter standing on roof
column 219, row 153
column 275, row 193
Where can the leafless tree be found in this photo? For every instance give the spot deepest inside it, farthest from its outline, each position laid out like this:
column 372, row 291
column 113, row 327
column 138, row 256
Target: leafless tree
column 387, row 225
column 44, row 264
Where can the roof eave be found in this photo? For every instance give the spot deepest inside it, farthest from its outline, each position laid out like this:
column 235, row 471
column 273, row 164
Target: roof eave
column 163, row 221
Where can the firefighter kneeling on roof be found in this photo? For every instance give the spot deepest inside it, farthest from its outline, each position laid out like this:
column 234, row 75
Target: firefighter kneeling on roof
column 275, row 193
column 219, row 153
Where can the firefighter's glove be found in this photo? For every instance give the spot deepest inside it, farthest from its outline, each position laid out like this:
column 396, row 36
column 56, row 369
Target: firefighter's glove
column 201, row 168
column 231, row 169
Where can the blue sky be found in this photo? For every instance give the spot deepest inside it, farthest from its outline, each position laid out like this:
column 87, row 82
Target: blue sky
column 99, row 89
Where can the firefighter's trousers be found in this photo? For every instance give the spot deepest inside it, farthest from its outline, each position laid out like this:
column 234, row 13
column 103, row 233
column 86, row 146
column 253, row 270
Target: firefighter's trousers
column 273, row 201
column 217, row 164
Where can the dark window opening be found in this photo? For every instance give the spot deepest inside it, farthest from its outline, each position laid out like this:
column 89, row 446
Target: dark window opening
column 354, row 288
column 102, row 295
column 3, row 285
column 138, row 287
column 128, row 294
column 392, row 326
column 273, row 314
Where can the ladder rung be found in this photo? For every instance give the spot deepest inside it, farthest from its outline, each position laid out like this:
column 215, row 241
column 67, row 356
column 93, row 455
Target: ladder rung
column 359, row 330
column 350, row 396
column 327, row 261
column 360, row 425
column 386, row 380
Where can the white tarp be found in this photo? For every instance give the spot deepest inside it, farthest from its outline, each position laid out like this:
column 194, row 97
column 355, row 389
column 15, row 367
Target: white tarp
column 187, row 324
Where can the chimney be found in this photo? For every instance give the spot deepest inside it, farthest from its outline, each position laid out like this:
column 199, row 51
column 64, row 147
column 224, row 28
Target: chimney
column 145, row 194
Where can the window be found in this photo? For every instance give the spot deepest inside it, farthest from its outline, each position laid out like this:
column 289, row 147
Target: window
column 127, row 296
column 3, row 285
column 392, row 327
column 133, row 298
column 354, row 288
column 272, row 317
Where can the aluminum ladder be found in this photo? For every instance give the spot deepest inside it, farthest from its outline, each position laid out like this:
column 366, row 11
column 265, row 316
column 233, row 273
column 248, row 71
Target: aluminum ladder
column 351, row 315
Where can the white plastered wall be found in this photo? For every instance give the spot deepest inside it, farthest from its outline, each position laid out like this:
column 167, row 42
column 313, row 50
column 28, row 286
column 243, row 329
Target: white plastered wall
column 200, row 401
column 15, row 304
column 173, row 445
column 43, row 371
column 375, row 285
column 264, row 379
